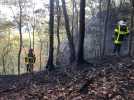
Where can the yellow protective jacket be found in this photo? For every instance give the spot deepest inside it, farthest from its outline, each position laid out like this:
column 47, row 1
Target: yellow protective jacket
column 30, row 60
column 120, row 33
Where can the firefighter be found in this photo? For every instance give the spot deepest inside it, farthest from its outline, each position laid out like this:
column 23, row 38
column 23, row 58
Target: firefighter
column 30, row 60
column 120, row 33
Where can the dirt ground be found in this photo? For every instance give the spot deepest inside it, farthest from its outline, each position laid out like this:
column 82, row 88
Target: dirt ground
column 111, row 78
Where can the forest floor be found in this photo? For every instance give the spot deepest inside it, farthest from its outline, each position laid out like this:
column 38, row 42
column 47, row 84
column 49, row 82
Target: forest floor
column 111, row 78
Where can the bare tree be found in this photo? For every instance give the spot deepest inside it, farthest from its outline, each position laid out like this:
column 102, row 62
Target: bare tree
column 18, row 19
column 58, row 27
column 132, row 26
column 19, row 24
column 20, row 33
column 69, row 36
column 75, row 28
column 29, row 33
column 50, row 64
column 33, row 24
column 100, row 11
column 80, row 55
column 41, row 48
column 3, row 61
column 105, row 27
column 73, row 16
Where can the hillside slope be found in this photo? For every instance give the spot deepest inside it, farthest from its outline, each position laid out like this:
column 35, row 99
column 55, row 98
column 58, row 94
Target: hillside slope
column 111, row 78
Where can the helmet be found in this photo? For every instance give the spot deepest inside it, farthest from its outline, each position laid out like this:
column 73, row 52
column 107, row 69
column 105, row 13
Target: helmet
column 122, row 23
column 30, row 50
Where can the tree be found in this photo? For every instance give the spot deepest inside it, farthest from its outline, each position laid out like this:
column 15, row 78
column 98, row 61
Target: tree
column 33, row 24
column 69, row 36
column 58, row 27
column 5, row 52
column 80, row 54
column 131, row 27
column 20, row 33
column 50, row 64
column 75, row 22
column 20, row 4
column 105, row 27
column 100, row 22
column 29, row 33
column 41, row 48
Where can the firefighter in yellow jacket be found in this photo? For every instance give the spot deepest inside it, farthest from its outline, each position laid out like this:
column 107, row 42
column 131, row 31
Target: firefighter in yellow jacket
column 120, row 33
column 30, row 60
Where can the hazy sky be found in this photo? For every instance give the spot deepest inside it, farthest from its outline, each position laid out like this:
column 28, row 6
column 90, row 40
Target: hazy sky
column 7, row 12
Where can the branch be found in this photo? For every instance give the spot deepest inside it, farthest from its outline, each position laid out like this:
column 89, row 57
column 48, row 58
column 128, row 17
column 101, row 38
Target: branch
column 14, row 15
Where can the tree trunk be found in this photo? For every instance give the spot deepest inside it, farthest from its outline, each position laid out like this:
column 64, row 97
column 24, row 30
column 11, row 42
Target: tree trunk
column 30, row 43
column 77, row 17
column 30, row 40
column 100, row 11
column 41, row 44
column 3, row 63
column 20, row 33
column 41, row 47
column 105, row 27
column 132, row 2
column 33, row 26
column 73, row 9
column 50, row 64
column 58, row 27
column 131, row 31
column 80, row 55
column 5, row 52
column 33, row 34
column 67, row 25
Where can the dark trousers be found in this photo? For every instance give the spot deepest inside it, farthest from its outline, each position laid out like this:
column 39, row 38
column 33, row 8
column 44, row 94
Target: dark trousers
column 117, row 48
column 30, row 68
